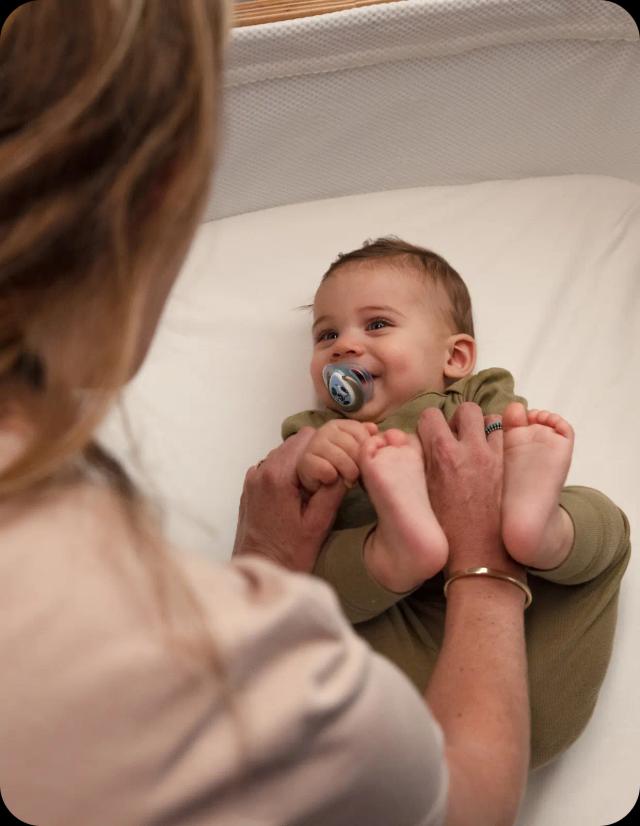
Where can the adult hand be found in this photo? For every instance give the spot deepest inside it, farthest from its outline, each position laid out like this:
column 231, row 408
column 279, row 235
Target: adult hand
column 277, row 519
column 464, row 476
column 478, row 688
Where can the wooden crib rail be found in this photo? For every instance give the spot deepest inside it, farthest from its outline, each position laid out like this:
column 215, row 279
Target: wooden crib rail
column 253, row 12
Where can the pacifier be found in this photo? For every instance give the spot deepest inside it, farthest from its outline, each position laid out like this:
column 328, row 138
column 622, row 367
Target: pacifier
column 349, row 386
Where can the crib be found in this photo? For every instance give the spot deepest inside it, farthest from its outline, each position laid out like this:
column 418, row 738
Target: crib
column 503, row 134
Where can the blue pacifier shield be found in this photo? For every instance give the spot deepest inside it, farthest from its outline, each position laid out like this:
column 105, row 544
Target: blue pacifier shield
column 348, row 385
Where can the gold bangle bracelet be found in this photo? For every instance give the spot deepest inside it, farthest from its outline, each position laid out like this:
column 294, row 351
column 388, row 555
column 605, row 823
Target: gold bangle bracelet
column 482, row 571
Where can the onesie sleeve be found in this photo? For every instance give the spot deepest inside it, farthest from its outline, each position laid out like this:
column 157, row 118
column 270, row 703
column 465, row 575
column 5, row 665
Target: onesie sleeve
column 601, row 539
column 492, row 389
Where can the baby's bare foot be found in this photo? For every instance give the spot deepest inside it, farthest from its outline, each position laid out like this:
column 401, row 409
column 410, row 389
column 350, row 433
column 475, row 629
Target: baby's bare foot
column 537, row 454
column 408, row 545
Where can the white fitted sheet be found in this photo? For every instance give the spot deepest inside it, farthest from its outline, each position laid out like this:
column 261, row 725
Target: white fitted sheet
column 553, row 266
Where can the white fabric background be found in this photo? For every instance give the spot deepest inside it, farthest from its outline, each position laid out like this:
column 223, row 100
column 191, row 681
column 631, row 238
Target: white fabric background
column 505, row 135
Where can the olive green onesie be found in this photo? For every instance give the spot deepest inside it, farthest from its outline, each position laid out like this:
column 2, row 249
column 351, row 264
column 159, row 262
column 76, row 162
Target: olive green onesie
column 569, row 630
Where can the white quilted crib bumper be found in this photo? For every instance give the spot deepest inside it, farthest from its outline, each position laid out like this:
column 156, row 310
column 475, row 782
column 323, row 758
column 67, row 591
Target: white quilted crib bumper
column 503, row 134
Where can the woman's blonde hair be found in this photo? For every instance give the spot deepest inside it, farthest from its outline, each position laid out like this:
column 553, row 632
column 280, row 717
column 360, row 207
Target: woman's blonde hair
column 107, row 142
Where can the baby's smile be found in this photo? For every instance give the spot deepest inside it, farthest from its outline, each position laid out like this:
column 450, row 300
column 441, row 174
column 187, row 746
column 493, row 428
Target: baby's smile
column 387, row 322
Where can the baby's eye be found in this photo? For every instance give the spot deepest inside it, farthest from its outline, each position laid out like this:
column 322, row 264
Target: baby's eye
column 378, row 324
column 326, row 335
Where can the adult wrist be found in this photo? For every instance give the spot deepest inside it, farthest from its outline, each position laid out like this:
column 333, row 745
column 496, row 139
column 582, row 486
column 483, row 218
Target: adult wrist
column 493, row 574
column 490, row 553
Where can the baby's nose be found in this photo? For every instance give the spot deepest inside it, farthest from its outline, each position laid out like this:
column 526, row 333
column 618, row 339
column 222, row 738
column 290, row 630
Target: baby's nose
column 347, row 345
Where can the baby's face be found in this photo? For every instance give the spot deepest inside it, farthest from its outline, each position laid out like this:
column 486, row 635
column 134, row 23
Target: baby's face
column 386, row 320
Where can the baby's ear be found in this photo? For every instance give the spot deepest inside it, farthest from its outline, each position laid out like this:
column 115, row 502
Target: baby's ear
column 461, row 356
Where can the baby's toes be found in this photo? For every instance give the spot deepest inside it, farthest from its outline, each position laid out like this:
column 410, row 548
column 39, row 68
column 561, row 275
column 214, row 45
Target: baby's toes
column 370, row 448
column 553, row 420
column 413, row 441
column 514, row 415
column 563, row 427
column 396, row 438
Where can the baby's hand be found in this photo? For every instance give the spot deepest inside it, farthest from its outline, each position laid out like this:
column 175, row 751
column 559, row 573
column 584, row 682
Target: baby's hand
column 333, row 452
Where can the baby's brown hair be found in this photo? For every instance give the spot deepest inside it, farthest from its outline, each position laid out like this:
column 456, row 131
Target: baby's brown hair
column 435, row 267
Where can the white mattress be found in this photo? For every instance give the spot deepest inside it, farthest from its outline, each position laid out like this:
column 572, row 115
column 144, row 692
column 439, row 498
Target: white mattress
column 553, row 267
column 504, row 135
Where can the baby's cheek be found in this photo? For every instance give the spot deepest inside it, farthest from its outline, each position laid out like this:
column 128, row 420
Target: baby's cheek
column 399, row 355
column 401, row 366
column 407, row 377
column 315, row 371
column 321, row 391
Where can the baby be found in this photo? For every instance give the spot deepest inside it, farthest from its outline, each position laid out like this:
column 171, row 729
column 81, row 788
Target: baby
column 403, row 314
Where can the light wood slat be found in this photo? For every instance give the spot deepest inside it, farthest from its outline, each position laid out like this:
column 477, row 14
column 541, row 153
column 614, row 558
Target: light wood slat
column 254, row 12
column 261, row 6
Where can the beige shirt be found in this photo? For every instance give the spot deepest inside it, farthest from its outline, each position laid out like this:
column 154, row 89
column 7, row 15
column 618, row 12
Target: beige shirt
column 101, row 724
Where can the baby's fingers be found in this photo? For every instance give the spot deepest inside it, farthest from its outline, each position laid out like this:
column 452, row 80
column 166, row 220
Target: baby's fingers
column 348, row 441
column 350, row 429
column 342, row 462
column 315, row 471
